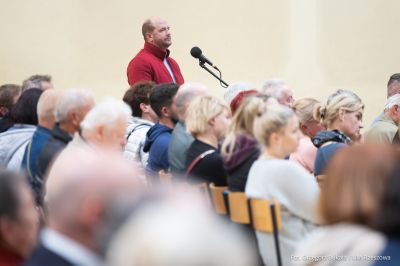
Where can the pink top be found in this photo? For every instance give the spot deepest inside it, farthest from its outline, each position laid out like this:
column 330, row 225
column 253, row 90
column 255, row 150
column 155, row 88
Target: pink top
column 305, row 154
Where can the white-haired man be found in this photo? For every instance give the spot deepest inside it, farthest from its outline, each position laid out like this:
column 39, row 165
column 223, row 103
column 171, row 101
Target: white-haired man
column 181, row 139
column 385, row 129
column 104, row 125
column 280, row 90
column 70, row 111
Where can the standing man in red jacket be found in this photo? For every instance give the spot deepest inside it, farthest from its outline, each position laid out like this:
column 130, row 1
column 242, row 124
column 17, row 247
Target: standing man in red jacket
column 153, row 61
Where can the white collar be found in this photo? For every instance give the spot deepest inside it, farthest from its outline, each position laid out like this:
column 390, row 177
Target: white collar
column 69, row 249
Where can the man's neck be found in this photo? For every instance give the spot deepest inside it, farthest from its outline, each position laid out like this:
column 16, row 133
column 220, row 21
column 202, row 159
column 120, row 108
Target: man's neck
column 70, row 129
column 167, row 122
column 148, row 117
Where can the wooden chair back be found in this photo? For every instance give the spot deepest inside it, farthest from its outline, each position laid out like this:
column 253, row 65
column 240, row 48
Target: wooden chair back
column 239, row 208
column 262, row 215
column 217, row 196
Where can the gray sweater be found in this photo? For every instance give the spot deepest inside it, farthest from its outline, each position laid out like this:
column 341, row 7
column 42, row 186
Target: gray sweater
column 296, row 191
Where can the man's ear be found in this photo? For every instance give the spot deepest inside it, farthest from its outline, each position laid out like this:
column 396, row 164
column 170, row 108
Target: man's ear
column 144, row 107
column 100, row 132
column 149, row 37
column 165, row 111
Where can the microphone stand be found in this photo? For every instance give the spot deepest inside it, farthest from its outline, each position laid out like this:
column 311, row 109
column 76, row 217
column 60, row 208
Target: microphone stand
column 202, row 64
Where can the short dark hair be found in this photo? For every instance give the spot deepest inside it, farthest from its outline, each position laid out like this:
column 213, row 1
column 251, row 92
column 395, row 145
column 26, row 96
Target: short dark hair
column 25, row 110
column 147, row 27
column 137, row 94
column 9, row 194
column 35, row 82
column 393, row 78
column 162, row 96
column 8, row 93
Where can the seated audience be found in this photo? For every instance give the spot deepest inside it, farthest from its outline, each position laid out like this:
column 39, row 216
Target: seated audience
column 342, row 117
column 69, row 113
column 348, row 204
column 181, row 139
column 240, row 148
column 272, row 177
column 162, row 101
column 306, row 152
column 18, row 220
column 207, row 120
column 280, row 90
column 24, row 120
column 176, row 230
column 386, row 127
column 142, row 119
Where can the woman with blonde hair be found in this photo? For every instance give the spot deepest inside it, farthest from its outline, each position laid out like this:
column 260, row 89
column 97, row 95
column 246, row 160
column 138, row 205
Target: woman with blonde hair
column 342, row 117
column 349, row 203
column 273, row 177
column 207, row 120
column 309, row 126
column 240, row 148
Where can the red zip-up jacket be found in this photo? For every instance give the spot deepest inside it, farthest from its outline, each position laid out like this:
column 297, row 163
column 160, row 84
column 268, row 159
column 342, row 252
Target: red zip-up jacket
column 148, row 65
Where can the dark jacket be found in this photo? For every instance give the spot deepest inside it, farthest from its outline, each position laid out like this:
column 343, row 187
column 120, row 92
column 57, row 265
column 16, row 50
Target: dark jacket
column 209, row 169
column 238, row 166
column 325, row 152
column 157, row 141
column 40, row 138
column 42, row 257
column 59, row 139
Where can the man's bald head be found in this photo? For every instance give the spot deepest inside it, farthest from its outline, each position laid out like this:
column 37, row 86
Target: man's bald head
column 186, row 94
column 46, row 107
column 156, row 31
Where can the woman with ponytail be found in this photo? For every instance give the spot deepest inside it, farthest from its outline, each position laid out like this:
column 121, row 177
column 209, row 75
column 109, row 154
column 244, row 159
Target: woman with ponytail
column 342, row 117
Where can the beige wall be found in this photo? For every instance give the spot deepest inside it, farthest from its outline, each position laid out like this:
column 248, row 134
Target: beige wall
column 316, row 45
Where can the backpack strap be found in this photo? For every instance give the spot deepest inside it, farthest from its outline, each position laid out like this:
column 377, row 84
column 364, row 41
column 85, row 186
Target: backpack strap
column 136, row 128
column 196, row 161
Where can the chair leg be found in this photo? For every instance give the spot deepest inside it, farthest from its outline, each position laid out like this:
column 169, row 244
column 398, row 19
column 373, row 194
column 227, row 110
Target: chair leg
column 276, row 237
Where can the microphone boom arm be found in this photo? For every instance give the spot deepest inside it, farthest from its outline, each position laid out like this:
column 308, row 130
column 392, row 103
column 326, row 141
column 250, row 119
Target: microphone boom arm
column 202, row 64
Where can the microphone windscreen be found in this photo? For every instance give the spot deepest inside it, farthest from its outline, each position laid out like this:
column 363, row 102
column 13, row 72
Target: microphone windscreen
column 196, row 52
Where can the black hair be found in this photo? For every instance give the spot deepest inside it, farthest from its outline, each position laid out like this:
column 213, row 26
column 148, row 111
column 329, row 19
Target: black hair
column 25, row 110
column 162, row 96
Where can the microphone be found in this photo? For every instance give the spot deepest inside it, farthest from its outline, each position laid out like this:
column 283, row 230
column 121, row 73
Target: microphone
column 197, row 53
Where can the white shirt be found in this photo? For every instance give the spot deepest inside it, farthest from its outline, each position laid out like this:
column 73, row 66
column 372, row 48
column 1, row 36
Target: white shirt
column 69, row 249
column 169, row 69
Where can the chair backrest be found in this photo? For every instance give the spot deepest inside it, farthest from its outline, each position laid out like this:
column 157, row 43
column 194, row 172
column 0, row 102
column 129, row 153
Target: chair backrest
column 165, row 177
column 239, row 208
column 262, row 216
column 217, row 196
